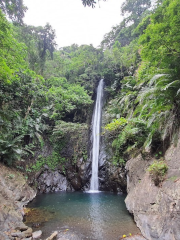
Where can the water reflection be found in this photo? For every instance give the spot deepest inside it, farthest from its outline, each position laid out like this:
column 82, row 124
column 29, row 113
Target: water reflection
column 96, row 216
column 93, row 216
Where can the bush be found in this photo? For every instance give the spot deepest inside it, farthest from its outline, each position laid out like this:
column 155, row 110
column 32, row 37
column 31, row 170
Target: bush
column 157, row 171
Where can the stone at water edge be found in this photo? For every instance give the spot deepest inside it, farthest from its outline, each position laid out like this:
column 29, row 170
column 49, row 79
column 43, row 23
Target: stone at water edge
column 22, row 227
column 24, row 234
column 37, row 234
column 53, row 236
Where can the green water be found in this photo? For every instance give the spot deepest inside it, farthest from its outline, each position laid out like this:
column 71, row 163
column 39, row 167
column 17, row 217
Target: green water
column 80, row 216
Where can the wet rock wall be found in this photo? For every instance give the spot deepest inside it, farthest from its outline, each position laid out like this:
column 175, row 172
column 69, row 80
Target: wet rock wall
column 156, row 209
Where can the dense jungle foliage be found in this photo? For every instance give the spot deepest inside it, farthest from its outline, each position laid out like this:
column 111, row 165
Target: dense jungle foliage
column 146, row 48
column 44, row 88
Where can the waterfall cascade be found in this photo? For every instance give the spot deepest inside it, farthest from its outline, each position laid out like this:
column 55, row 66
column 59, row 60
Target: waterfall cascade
column 96, row 129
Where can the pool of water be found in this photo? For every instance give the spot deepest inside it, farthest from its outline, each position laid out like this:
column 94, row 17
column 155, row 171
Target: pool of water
column 79, row 215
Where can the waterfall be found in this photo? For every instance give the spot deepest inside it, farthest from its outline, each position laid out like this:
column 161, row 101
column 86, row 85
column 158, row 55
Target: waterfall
column 96, row 129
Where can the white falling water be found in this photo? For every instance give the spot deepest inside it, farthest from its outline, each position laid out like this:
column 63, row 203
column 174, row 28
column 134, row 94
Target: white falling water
column 96, row 129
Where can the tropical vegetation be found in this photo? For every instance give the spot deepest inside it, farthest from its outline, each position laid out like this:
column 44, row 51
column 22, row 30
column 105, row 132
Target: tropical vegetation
column 45, row 91
column 145, row 108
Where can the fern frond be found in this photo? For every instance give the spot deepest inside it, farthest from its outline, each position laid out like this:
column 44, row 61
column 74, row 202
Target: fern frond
column 131, row 131
column 140, row 109
column 156, row 77
column 137, row 120
column 151, row 120
column 178, row 92
column 172, row 84
column 147, row 92
column 162, row 82
column 148, row 141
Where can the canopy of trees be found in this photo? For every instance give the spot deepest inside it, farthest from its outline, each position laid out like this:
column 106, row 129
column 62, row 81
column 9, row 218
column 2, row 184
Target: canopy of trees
column 41, row 86
column 14, row 9
column 30, row 103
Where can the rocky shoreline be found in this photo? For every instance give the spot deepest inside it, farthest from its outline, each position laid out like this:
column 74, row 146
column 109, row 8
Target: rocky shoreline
column 14, row 195
column 155, row 208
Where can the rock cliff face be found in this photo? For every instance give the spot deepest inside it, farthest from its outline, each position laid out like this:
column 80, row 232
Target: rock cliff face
column 156, row 210
column 111, row 177
column 72, row 174
column 73, row 177
column 14, row 194
column 50, row 181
